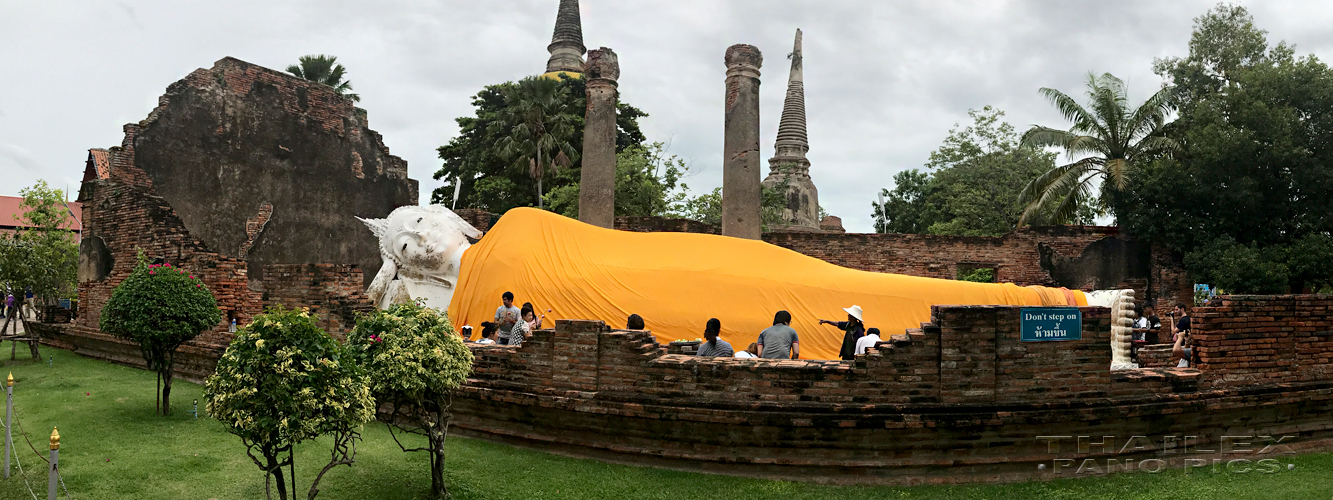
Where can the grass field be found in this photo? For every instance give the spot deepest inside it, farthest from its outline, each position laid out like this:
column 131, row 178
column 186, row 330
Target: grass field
column 113, row 447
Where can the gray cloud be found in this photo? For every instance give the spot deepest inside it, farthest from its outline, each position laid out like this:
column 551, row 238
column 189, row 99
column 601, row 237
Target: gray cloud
column 884, row 80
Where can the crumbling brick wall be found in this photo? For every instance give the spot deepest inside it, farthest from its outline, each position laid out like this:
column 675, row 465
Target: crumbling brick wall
column 1265, row 339
column 960, row 399
column 251, row 179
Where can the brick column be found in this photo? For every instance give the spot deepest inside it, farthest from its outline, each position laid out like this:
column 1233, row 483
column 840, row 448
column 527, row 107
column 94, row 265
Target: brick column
column 740, row 149
column 574, row 352
column 597, row 182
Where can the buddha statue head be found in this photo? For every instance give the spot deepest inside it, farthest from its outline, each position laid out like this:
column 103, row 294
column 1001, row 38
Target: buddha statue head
column 422, row 247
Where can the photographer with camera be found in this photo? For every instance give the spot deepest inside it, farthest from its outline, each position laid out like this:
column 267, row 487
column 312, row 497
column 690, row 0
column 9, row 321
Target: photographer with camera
column 1180, row 332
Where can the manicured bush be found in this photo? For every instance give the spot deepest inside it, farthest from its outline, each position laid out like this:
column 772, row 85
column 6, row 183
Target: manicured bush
column 282, row 381
column 160, row 307
column 414, row 359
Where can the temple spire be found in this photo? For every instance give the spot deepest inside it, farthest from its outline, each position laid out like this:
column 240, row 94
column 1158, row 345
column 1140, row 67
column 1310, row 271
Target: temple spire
column 792, row 143
column 566, row 46
column 788, row 162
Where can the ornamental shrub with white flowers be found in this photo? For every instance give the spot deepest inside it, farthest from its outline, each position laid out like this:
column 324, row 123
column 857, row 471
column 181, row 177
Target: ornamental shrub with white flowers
column 283, row 380
column 160, row 307
column 414, row 359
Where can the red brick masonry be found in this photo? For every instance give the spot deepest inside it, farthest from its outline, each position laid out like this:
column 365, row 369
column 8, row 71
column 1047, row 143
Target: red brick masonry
column 960, row 399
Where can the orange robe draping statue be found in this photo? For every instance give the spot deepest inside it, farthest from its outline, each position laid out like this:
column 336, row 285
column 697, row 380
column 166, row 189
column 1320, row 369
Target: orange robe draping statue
column 677, row 281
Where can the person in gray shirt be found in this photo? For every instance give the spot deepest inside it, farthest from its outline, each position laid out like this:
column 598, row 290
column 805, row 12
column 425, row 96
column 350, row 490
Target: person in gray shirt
column 506, row 315
column 714, row 346
column 779, row 341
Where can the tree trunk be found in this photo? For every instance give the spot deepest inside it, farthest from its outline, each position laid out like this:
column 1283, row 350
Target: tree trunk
column 540, row 167
column 436, row 435
column 275, row 469
column 32, row 344
column 166, row 385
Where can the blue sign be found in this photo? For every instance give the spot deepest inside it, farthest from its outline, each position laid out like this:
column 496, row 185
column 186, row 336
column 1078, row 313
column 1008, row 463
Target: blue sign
column 1051, row 323
column 64, row 303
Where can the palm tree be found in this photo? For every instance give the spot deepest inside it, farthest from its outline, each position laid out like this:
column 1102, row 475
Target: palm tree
column 326, row 70
column 1116, row 139
column 540, row 121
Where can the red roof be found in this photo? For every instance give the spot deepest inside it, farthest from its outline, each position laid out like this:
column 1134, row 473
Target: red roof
column 10, row 209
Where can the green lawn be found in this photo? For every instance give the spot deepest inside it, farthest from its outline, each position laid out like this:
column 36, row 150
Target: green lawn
column 113, row 447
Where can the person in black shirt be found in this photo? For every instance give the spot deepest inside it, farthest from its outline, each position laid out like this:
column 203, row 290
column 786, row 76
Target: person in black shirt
column 1180, row 334
column 854, row 328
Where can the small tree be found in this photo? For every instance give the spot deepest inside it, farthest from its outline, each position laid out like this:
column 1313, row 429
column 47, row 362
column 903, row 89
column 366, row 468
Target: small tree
column 160, row 307
column 413, row 359
column 41, row 256
column 283, row 381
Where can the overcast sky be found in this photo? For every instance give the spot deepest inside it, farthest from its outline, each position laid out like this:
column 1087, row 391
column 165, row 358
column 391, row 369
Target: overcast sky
column 884, row 81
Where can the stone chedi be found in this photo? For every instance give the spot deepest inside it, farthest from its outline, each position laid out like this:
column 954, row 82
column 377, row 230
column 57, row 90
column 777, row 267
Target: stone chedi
column 422, row 248
column 741, row 189
column 597, row 183
column 802, row 199
column 566, row 46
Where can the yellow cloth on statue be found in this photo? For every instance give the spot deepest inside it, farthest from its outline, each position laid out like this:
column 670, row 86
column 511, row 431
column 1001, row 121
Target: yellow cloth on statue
column 677, row 281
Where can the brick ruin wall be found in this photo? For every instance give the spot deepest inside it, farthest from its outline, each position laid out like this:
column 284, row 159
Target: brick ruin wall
column 234, row 178
column 960, row 399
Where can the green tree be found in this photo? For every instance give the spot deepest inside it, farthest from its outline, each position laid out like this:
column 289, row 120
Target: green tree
column 159, row 307
column 1113, row 139
column 1251, row 182
column 971, row 184
column 283, row 381
column 707, row 207
column 490, row 180
column 905, row 209
column 646, row 181
column 540, row 128
column 41, row 256
column 414, row 360
column 326, row 70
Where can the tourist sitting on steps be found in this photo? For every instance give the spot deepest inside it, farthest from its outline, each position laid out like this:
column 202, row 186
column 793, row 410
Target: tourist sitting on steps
column 749, row 352
column 635, row 322
column 854, row 328
column 868, row 341
column 1180, row 331
column 489, row 332
column 713, row 345
column 779, row 341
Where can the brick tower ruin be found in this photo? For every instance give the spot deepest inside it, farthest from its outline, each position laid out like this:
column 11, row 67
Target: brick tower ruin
column 566, row 46
column 802, row 208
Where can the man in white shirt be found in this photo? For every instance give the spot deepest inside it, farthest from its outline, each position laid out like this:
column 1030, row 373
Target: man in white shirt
column 867, row 341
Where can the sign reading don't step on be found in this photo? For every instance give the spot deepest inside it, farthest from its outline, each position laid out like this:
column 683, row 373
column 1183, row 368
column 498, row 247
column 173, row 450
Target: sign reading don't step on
column 1040, row 324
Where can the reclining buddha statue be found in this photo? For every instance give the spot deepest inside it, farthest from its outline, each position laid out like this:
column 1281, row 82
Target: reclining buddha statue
column 675, row 281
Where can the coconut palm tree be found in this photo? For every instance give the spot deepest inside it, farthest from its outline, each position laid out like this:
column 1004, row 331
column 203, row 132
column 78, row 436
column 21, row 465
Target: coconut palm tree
column 539, row 123
column 1113, row 139
column 326, row 70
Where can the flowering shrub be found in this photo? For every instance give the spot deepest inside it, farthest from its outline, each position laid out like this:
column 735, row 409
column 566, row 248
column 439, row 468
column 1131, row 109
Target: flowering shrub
column 160, row 307
column 413, row 359
column 283, row 381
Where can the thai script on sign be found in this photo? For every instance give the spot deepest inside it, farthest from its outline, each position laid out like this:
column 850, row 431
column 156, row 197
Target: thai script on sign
column 1051, row 323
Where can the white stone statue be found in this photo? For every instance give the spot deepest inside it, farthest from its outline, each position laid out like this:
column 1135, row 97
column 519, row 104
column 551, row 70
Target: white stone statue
column 423, row 250
column 1121, row 303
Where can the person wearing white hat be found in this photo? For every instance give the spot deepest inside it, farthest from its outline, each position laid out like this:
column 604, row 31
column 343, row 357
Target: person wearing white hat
column 854, row 328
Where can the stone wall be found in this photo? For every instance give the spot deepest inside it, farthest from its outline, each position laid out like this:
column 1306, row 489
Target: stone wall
column 250, row 179
column 959, row 399
column 1265, row 339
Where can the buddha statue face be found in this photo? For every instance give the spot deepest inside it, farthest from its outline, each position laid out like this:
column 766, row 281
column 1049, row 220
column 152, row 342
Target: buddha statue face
column 423, row 241
column 423, row 251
